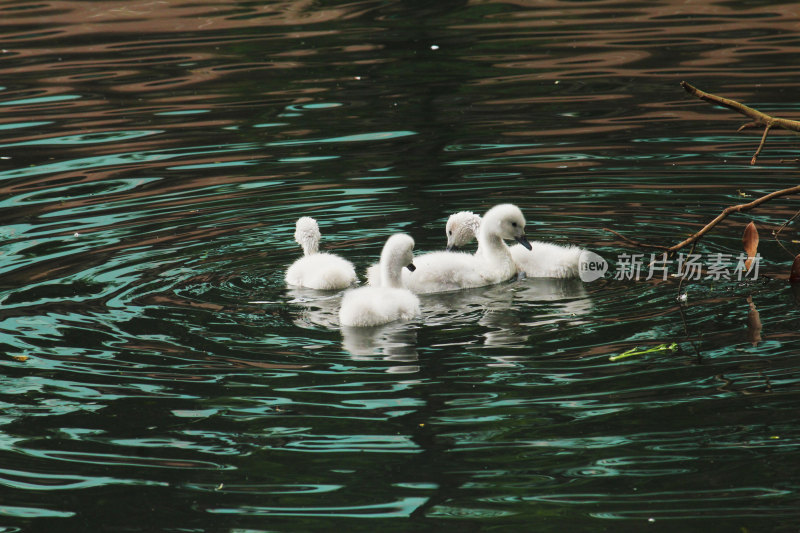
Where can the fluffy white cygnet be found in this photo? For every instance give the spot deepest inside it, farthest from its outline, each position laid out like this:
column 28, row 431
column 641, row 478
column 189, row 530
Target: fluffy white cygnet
column 317, row 270
column 374, row 306
column 492, row 263
column 542, row 260
column 465, row 223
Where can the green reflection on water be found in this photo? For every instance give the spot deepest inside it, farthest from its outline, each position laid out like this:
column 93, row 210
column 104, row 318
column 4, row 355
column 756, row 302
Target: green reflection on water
column 360, row 137
column 220, row 164
column 33, row 512
column 18, row 125
column 184, row 112
column 38, row 481
column 112, row 160
column 265, row 488
column 87, row 138
column 403, row 507
column 354, row 443
column 324, row 105
column 42, row 100
column 307, row 159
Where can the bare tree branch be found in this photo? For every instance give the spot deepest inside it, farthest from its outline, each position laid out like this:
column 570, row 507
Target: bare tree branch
column 733, row 209
column 758, row 118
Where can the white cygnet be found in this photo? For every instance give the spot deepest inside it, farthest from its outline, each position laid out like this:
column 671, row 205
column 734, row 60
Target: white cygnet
column 318, row 270
column 461, row 229
column 492, row 263
column 541, row 260
column 374, row 306
column 465, row 223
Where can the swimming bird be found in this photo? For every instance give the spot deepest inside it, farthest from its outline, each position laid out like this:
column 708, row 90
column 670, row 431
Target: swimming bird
column 317, row 270
column 374, row 306
column 492, row 263
column 541, row 260
column 466, row 225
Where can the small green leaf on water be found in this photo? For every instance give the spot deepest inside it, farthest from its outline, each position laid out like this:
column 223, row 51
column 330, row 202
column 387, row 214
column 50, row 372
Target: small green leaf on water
column 635, row 351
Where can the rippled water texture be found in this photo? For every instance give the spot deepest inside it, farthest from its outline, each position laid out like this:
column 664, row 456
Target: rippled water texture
column 157, row 374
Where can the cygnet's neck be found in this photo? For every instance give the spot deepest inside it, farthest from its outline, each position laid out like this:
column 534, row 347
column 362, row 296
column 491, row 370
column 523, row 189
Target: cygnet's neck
column 391, row 271
column 490, row 244
column 310, row 245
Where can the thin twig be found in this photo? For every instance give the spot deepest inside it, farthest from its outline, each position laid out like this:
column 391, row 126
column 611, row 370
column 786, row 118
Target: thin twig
column 680, row 283
column 761, row 144
column 780, row 229
column 758, row 118
column 733, row 209
column 688, row 338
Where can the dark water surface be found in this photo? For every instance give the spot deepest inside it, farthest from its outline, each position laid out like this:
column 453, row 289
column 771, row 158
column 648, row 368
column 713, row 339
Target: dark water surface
column 157, row 375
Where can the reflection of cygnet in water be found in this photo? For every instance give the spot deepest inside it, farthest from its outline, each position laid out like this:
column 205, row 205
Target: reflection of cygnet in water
column 503, row 310
column 491, row 308
column 319, row 309
column 548, row 301
column 539, row 305
column 568, row 297
column 458, row 309
column 393, row 343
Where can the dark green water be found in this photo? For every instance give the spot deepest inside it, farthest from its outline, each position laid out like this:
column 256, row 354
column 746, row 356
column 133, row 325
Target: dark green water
column 157, row 375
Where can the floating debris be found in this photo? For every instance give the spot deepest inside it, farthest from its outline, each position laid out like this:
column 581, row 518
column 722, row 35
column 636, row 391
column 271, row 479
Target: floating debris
column 636, row 351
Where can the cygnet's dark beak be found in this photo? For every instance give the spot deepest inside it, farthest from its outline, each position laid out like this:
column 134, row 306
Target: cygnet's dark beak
column 523, row 241
column 451, row 248
column 412, row 268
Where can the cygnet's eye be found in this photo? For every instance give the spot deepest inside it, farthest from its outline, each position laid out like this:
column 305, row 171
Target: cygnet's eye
column 514, row 224
column 450, row 232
